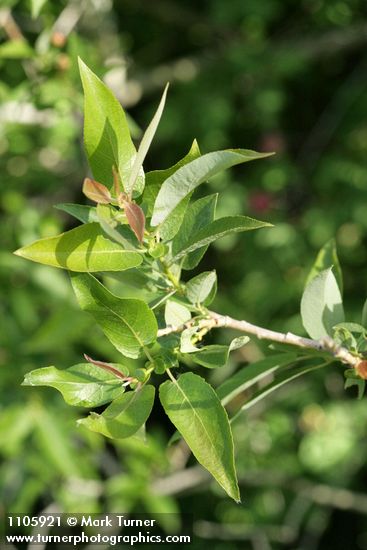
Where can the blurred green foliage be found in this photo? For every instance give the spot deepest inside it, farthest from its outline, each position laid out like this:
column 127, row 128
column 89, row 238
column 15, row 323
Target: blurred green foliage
column 264, row 74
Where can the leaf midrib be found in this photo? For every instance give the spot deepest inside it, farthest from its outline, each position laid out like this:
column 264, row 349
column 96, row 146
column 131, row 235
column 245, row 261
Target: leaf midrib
column 109, row 382
column 95, row 96
column 141, row 343
column 126, row 407
column 82, row 253
column 218, row 458
column 193, row 245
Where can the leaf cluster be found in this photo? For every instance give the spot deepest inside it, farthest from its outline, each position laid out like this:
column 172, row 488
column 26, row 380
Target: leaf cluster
column 148, row 230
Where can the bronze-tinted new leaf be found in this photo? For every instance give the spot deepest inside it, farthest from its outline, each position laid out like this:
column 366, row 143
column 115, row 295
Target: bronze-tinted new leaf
column 136, row 219
column 107, row 366
column 96, row 191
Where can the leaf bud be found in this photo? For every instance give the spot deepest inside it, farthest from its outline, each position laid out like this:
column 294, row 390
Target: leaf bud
column 96, row 191
column 361, row 369
column 157, row 250
column 140, row 374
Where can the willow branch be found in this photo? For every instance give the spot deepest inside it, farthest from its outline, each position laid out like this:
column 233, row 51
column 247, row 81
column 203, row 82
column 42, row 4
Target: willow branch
column 215, row 320
column 7, row 22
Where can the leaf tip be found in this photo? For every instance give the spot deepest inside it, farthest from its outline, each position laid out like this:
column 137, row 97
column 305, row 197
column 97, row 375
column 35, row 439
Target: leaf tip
column 136, row 219
column 85, row 421
column 96, row 191
column 265, row 224
column 195, row 149
column 81, row 63
column 19, row 252
column 235, row 494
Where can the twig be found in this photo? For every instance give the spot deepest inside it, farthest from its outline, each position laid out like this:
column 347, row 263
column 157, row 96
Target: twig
column 216, row 320
column 325, row 495
column 180, row 481
column 7, row 22
column 69, row 18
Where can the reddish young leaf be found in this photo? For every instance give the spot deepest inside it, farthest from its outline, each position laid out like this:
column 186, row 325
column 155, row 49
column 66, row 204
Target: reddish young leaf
column 96, row 191
column 136, row 219
column 361, row 369
column 106, row 366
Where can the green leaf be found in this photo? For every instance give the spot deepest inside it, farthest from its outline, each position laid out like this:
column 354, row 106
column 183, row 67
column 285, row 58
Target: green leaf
column 327, row 257
column 145, row 143
column 83, row 385
column 202, row 288
column 216, row 230
column 108, row 218
column 199, row 215
column 343, row 336
column 128, row 323
column 300, row 352
column 361, row 385
column 125, row 416
column 165, row 359
column 81, row 212
column 321, row 305
column 157, row 250
column 352, row 379
column 216, row 356
column 154, row 179
column 183, row 182
column 134, row 283
column 194, row 408
column 176, row 314
column 81, row 249
column 106, row 133
column 280, row 378
column 351, row 327
column 252, row 374
column 186, row 345
column 172, row 223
